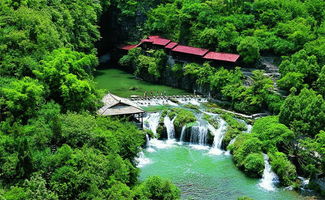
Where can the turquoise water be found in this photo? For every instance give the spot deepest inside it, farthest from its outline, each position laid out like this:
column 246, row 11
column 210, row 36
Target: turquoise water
column 201, row 175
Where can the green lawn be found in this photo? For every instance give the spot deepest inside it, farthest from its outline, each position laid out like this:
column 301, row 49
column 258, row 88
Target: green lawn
column 120, row 83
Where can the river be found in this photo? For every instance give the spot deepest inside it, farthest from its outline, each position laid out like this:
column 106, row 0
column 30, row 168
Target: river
column 202, row 171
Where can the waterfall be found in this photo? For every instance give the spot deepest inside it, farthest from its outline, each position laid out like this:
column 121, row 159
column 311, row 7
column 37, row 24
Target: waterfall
column 231, row 142
column 147, row 140
column 199, row 135
column 304, row 184
column 181, row 139
column 142, row 160
column 170, row 127
column 218, row 137
column 152, row 122
column 269, row 177
column 249, row 128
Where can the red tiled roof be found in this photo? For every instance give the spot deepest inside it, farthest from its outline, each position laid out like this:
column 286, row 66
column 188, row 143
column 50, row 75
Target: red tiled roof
column 171, row 45
column 146, row 40
column 153, row 36
column 129, row 47
column 190, row 50
column 160, row 41
column 222, row 56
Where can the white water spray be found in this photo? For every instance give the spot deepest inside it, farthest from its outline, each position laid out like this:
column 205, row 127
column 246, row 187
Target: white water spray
column 169, row 124
column 152, row 122
column 181, row 139
column 142, row 160
column 269, row 178
column 199, row 135
column 218, row 137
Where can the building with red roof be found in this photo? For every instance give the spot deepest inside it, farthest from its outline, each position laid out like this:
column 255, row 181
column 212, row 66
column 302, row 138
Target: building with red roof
column 160, row 41
column 171, row 45
column 226, row 57
column 128, row 47
column 184, row 52
column 190, row 50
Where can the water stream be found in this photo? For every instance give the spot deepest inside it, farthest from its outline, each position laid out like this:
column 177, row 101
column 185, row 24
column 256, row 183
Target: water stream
column 202, row 171
column 269, row 179
column 218, row 136
column 169, row 124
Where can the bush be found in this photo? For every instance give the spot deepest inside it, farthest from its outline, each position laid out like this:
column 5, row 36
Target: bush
column 283, row 168
column 213, row 121
column 183, row 117
column 272, row 133
column 230, row 134
column 157, row 188
column 254, row 164
column 243, row 148
column 233, row 123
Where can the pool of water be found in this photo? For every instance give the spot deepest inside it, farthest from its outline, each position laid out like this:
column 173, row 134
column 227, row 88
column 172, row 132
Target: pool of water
column 202, row 175
column 124, row 84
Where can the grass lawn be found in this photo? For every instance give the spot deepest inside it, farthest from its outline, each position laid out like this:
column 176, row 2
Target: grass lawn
column 124, row 84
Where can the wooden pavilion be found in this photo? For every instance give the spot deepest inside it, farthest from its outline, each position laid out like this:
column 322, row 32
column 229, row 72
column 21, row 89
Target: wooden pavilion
column 122, row 107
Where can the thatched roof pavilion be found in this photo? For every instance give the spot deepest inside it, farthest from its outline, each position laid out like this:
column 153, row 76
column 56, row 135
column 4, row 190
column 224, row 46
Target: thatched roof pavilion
column 114, row 105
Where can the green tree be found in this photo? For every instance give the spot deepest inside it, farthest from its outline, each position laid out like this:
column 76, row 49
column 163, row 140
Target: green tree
column 20, row 99
column 283, row 168
column 248, row 48
column 157, row 188
column 304, row 113
column 67, row 75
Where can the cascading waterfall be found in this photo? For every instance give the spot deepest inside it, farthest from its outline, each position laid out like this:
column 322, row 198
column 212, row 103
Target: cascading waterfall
column 199, row 135
column 147, row 140
column 169, row 124
column 231, row 142
column 269, row 178
column 218, row 137
column 182, row 134
column 152, row 122
column 249, row 128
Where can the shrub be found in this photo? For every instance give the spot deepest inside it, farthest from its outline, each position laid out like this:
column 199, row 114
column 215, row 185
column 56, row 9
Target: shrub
column 244, row 146
column 233, row 123
column 156, row 188
column 230, row 134
column 183, row 117
column 283, row 168
column 213, row 121
column 254, row 164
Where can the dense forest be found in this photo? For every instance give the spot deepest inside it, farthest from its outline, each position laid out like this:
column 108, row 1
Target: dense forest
column 54, row 146
column 293, row 30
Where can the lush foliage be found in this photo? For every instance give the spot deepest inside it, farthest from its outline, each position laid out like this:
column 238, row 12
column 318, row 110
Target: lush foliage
column 182, row 117
column 52, row 145
column 251, row 27
column 304, row 113
column 147, row 64
column 248, row 155
column 283, row 168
